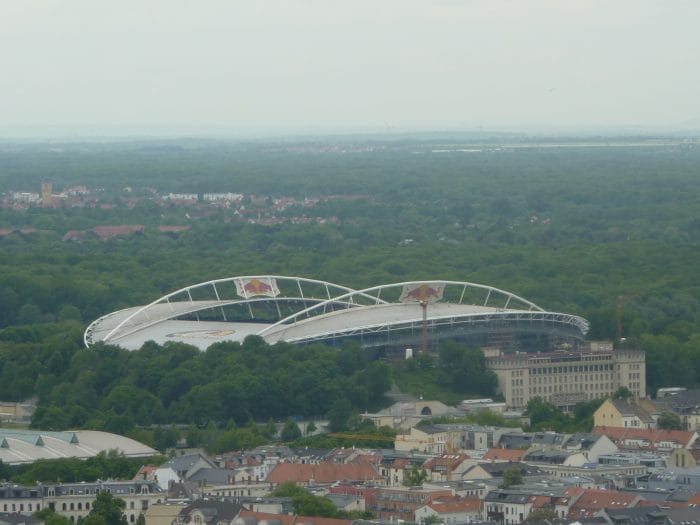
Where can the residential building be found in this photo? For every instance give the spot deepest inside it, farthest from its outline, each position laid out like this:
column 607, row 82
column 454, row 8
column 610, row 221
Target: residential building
column 565, row 378
column 589, row 503
column 430, row 439
column 207, row 512
column 626, row 413
column 644, row 439
column 401, row 503
column 684, row 458
column 449, row 511
column 74, row 500
column 448, row 467
column 496, row 470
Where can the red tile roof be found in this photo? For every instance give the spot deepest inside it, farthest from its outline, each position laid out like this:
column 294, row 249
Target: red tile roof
column 504, row 454
column 457, row 505
column 622, row 435
column 322, row 473
column 450, row 461
column 592, row 501
column 173, row 229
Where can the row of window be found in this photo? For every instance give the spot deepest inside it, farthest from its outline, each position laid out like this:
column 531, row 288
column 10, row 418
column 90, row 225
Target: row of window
column 6, row 507
column 571, row 369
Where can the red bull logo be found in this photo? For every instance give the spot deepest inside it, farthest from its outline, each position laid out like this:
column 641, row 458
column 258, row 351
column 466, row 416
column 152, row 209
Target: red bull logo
column 422, row 293
column 252, row 287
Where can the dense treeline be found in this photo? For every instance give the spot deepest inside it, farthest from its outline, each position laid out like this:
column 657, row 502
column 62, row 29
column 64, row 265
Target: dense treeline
column 71, row 470
column 570, row 229
column 109, row 388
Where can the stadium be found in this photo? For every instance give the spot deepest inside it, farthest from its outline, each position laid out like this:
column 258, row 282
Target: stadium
column 385, row 319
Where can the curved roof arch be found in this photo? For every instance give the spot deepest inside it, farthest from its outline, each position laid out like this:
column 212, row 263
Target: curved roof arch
column 124, row 322
column 367, row 292
column 302, row 310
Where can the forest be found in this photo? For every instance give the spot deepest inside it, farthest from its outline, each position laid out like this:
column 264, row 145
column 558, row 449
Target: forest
column 586, row 230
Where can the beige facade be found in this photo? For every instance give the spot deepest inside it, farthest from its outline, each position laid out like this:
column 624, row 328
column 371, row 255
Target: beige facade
column 163, row 513
column 428, row 439
column 566, row 378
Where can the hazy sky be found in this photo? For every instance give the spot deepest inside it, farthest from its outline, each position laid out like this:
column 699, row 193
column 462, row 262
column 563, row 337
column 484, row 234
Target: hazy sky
column 327, row 64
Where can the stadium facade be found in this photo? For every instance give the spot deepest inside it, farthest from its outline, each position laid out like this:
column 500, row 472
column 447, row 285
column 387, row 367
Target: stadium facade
column 386, row 318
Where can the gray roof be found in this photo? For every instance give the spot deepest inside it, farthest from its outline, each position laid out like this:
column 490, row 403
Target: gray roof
column 556, row 457
column 497, row 469
column 215, row 476
column 26, row 446
column 632, row 409
column 214, row 510
column 584, row 440
column 186, row 462
column 14, row 518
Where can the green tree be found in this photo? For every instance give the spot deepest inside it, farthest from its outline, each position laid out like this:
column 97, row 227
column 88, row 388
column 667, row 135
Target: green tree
column 106, row 510
column 49, row 517
column 511, row 477
column 310, row 428
column 290, row 431
column 622, row 393
column 541, row 514
column 414, row 477
column 339, row 415
column 670, row 421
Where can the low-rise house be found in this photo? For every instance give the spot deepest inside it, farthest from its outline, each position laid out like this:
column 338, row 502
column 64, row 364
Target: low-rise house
column 643, row 439
column 181, row 468
column 448, row 467
column 163, row 513
column 347, row 503
column 592, row 446
column 453, row 510
column 556, row 457
column 497, row 470
column 400, row 503
column 683, row 458
column 430, row 439
column 508, row 507
column 589, row 503
column 208, row 512
column 684, row 403
column 626, row 414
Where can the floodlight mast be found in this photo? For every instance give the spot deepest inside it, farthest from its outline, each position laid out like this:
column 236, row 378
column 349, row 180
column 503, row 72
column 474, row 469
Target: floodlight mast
column 424, row 347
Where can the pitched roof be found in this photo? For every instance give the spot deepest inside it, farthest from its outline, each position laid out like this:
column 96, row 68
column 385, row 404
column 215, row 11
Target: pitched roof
column 449, row 461
column 504, row 454
column 322, row 473
column 620, row 435
column 457, row 505
column 591, row 501
column 627, row 409
column 221, row 510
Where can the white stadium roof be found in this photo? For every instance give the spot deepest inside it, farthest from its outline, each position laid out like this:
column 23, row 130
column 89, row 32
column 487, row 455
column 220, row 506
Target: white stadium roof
column 26, row 446
column 295, row 309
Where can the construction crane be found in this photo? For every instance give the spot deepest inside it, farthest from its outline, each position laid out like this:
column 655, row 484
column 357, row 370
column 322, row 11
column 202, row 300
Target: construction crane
column 621, row 300
column 360, row 437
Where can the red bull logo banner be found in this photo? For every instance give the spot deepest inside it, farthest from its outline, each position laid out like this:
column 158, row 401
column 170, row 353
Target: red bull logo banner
column 429, row 293
column 254, row 287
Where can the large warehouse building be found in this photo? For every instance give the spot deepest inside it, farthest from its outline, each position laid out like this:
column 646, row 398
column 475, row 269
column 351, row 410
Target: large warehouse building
column 386, row 318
